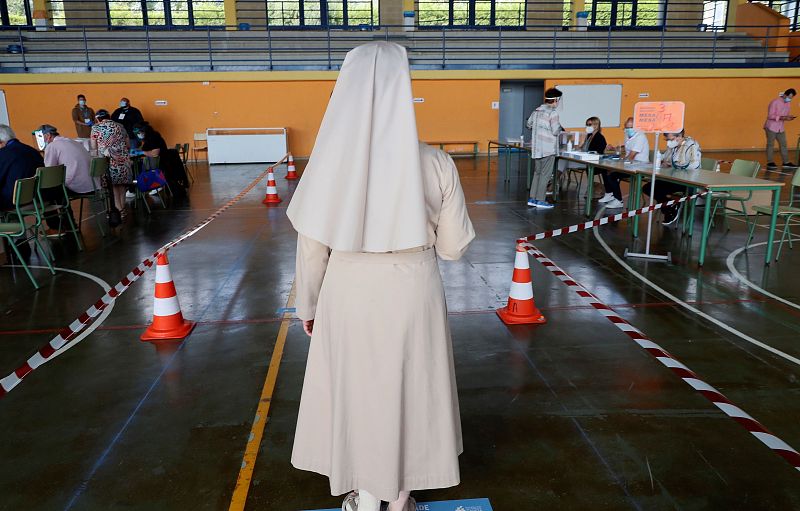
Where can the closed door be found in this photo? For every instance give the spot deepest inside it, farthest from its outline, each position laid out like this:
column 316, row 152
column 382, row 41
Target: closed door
column 517, row 101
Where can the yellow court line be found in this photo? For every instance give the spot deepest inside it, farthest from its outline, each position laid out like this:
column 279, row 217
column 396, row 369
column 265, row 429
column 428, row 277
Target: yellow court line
column 242, row 487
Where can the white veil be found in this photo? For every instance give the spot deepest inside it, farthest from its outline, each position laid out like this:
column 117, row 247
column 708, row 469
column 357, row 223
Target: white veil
column 362, row 190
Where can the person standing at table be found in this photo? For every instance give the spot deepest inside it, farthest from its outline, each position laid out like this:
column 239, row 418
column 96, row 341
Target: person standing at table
column 83, row 117
column 596, row 142
column 777, row 115
column 545, row 128
column 129, row 117
column 111, row 140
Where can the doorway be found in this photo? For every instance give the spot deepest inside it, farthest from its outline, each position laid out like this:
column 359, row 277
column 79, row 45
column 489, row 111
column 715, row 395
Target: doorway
column 518, row 99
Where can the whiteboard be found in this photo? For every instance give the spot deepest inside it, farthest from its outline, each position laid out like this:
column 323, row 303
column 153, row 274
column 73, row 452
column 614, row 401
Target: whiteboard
column 584, row 101
column 246, row 145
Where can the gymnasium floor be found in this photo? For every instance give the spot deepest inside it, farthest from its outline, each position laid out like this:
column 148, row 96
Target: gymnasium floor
column 569, row 415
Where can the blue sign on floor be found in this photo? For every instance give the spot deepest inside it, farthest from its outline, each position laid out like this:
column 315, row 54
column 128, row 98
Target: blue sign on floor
column 448, row 505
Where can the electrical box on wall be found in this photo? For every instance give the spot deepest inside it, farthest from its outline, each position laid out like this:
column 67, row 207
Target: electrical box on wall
column 495, row 105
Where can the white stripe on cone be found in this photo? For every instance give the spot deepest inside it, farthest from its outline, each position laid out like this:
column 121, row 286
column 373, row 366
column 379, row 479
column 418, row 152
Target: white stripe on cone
column 521, row 261
column 271, row 190
column 521, row 291
column 166, row 306
column 163, row 275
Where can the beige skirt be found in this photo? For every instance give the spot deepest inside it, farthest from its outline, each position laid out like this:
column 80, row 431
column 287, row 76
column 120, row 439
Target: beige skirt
column 379, row 409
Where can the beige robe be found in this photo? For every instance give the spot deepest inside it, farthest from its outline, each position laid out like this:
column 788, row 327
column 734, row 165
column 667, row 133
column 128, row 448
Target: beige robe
column 379, row 409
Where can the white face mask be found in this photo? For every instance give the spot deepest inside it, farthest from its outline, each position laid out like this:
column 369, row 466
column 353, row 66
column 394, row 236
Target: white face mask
column 589, row 129
column 672, row 144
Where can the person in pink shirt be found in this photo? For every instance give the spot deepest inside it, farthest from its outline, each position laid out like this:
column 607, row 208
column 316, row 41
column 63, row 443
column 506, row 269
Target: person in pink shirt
column 60, row 150
column 777, row 114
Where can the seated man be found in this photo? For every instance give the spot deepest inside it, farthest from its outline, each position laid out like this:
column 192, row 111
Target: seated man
column 683, row 153
column 60, row 150
column 17, row 161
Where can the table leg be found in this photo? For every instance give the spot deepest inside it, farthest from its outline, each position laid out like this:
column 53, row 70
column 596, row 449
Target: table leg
column 692, row 208
column 489, row 159
column 704, row 237
column 776, row 193
column 475, row 151
column 508, row 164
column 637, row 201
column 589, row 188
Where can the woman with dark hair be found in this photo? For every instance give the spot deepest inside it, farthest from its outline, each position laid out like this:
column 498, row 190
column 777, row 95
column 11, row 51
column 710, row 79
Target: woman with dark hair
column 110, row 139
column 152, row 144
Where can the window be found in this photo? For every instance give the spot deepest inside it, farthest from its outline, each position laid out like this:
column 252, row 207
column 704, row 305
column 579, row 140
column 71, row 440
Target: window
column 169, row 13
column 16, row 12
column 715, row 14
column 478, row 13
column 625, row 13
column 322, row 13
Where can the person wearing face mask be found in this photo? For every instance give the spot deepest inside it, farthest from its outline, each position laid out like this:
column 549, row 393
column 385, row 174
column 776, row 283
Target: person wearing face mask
column 545, row 128
column 83, row 117
column 683, row 153
column 596, row 142
column 637, row 149
column 128, row 116
column 153, row 144
column 110, row 140
column 777, row 114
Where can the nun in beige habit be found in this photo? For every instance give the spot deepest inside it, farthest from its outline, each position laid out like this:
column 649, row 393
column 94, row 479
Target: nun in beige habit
column 379, row 410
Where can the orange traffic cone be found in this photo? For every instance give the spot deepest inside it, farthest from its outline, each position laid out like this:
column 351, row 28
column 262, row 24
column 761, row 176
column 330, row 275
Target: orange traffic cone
column 168, row 322
column 272, row 190
column 291, row 172
column 521, row 309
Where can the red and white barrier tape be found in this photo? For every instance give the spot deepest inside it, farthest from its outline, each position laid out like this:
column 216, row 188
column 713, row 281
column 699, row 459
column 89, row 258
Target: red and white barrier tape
column 86, row 319
column 607, row 219
column 716, row 397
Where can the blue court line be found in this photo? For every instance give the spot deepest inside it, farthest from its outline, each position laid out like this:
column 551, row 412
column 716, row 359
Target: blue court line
column 582, row 432
column 99, row 462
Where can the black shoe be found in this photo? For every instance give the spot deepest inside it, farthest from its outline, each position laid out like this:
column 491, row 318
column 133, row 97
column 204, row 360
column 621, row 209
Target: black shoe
column 771, row 166
column 671, row 214
column 789, row 165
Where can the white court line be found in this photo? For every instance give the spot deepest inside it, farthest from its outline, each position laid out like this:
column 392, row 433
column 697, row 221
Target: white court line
column 730, row 262
column 686, row 306
column 97, row 322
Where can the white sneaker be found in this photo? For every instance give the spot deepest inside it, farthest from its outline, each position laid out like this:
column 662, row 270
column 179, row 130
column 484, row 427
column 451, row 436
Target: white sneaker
column 614, row 204
column 606, row 198
column 130, row 195
column 350, row 502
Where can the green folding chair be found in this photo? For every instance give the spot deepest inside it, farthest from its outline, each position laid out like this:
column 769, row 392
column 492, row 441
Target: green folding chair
column 55, row 178
column 709, row 164
column 786, row 212
column 99, row 195
column 16, row 229
column 744, row 168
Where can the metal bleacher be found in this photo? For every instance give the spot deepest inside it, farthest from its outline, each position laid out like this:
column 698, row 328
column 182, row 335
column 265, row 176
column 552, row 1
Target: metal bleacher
column 259, row 48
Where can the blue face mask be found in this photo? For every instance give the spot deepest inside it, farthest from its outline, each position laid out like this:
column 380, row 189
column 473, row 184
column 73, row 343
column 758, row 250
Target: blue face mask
column 140, row 135
column 787, row 99
column 630, row 132
column 123, row 104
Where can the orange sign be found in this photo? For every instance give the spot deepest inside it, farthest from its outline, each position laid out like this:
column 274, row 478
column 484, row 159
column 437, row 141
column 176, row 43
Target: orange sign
column 658, row 116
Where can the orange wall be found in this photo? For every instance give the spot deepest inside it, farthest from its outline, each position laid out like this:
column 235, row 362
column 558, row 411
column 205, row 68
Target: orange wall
column 451, row 110
column 764, row 23
column 721, row 113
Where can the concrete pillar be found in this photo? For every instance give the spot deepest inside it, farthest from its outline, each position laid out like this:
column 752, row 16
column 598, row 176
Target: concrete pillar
column 732, row 8
column 575, row 7
column 685, row 14
column 544, row 14
column 392, row 11
column 85, row 13
column 41, row 15
column 230, row 15
column 247, row 12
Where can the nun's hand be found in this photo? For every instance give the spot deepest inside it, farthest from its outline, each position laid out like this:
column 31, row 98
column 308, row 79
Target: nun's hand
column 308, row 326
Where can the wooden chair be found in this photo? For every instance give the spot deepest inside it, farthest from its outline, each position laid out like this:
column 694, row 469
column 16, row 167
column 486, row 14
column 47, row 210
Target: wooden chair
column 200, row 145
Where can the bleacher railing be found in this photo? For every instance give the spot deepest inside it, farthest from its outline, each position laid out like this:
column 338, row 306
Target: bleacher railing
column 99, row 49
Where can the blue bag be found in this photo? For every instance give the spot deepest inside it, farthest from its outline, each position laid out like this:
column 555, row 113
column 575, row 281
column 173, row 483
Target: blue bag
column 151, row 180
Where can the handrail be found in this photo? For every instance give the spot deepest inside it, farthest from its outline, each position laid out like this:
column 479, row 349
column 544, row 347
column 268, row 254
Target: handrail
column 87, row 48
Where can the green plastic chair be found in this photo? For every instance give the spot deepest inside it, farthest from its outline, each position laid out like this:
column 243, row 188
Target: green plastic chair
column 744, row 168
column 787, row 212
column 709, row 164
column 25, row 197
column 55, row 178
column 99, row 195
